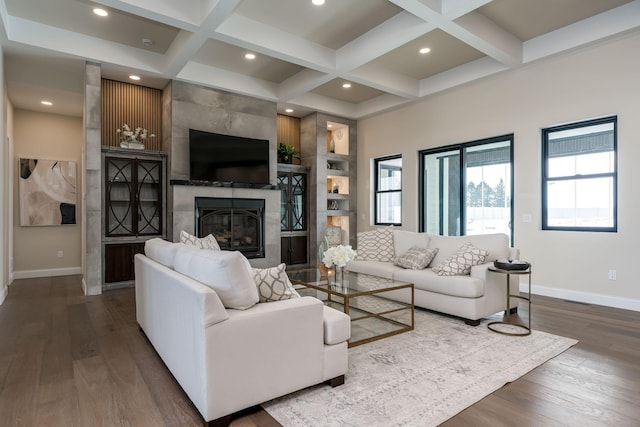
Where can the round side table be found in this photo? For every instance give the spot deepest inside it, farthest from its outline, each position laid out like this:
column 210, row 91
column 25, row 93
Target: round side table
column 526, row 328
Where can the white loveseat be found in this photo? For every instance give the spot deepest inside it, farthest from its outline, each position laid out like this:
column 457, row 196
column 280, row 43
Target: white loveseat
column 471, row 297
column 224, row 359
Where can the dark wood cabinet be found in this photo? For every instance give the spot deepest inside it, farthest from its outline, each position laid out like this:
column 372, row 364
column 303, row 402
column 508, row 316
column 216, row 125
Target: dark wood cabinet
column 292, row 181
column 133, row 210
column 294, row 250
column 118, row 258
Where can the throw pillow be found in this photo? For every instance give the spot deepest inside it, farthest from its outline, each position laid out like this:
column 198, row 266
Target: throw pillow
column 228, row 273
column 416, row 258
column 376, row 245
column 208, row 242
column 461, row 263
column 274, row 284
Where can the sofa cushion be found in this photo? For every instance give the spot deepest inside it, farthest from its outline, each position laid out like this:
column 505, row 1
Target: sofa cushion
column 228, row 273
column 161, row 251
column 375, row 268
column 496, row 244
column 274, row 284
column 404, row 240
column 337, row 326
column 208, row 242
column 416, row 258
column 457, row 286
column 461, row 262
column 376, row 245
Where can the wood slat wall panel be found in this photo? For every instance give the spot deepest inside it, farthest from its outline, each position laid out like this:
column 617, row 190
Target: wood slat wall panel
column 136, row 106
column 288, row 130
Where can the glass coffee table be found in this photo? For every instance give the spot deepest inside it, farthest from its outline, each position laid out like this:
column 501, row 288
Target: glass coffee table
column 366, row 299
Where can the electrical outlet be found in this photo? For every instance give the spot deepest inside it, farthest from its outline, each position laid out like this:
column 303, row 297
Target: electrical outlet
column 60, row 254
column 526, row 217
column 613, row 274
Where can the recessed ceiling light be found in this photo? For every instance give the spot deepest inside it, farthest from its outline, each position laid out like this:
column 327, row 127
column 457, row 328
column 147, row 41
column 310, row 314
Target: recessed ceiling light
column 317, row 2
column 329, row 126
column 424, row 50
column 47, row 103
column 289, row 110
column 134, row 77
column 147, row 42
column 250, row 55
column 100, row 12
column 346, row 85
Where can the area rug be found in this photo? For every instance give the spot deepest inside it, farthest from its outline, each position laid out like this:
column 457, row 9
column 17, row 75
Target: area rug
column 422, row 377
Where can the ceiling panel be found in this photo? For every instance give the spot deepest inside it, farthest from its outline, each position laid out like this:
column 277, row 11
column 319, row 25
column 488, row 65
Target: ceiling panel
column 333, row 24
column 355, row 94
column 527, row 19
column 78, row 16
column 446, row 52
column 231, row 58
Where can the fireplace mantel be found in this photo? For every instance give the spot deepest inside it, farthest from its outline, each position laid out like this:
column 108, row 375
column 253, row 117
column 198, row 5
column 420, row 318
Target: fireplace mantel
column 224, row 184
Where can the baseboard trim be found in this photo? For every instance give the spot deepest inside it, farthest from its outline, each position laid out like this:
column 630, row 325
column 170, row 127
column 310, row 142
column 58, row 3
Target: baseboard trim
column 3, row 294
column 585, row 297
column 31, row 274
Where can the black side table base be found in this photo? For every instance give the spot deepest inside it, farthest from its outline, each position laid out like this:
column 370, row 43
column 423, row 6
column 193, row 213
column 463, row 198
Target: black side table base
column 527, row 330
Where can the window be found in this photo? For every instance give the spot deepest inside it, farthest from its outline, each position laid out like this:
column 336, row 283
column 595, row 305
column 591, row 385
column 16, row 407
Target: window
column 579, row 176
column 388, row 190
column 466, row 189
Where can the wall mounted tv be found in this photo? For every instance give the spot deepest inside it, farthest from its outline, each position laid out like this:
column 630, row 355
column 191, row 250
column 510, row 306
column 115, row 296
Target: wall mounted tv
column 226, row 158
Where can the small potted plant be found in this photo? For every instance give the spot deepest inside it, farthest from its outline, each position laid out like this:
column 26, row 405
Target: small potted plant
column 286, row 152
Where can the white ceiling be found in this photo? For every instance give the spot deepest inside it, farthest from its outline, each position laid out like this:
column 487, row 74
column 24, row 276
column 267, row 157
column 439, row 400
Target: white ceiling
column 304, row 52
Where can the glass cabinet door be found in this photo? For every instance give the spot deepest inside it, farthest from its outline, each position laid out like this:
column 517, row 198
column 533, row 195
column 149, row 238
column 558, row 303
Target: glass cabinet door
column 133, row 197
column 119, row 197
column 149, row 192
column 292, row 201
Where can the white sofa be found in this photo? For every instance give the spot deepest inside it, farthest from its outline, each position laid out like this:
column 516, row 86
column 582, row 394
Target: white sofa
column 227, row 360
column 471, row 297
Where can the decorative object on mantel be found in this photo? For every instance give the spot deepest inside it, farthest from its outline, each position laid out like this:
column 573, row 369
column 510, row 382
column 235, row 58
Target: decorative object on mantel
column 286, row 152
column 322, row 248
column 133, row 138
column 338, row 256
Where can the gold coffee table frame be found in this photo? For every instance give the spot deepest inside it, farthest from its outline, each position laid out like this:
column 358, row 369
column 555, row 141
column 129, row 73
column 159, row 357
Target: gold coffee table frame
column 353, row 286
column 526, row 328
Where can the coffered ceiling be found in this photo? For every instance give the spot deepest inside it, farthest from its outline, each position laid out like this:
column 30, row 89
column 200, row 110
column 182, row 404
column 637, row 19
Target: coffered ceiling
column 304, row 53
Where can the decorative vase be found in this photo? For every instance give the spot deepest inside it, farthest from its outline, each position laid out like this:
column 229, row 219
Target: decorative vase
column 324, row 270
column 339, row 275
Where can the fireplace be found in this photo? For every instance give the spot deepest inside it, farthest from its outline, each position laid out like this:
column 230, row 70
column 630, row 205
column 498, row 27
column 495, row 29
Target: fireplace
column 237, row 224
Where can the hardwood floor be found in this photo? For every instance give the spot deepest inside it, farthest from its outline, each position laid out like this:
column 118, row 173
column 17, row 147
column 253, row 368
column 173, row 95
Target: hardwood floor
column 70, row 360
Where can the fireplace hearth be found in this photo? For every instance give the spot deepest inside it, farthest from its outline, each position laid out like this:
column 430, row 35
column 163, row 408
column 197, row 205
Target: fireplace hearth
column 237, row 224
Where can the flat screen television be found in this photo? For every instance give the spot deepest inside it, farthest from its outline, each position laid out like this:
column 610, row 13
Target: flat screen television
column 226, row 158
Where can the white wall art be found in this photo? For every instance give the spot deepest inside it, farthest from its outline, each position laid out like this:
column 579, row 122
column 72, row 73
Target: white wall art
column 47, row 192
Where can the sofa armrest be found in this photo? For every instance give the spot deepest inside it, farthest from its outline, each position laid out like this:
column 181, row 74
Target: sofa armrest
column 261, row 353
column 337, row 326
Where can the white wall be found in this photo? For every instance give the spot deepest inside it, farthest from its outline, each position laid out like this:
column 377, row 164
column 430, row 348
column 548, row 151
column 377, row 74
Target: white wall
column 4, row 202
column 597, row 81
column 54, row 137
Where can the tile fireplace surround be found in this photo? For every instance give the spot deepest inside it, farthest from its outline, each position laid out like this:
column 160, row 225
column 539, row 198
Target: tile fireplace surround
column 183, row 216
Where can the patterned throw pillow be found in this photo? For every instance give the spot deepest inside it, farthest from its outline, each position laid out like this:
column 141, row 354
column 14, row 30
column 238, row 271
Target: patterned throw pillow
column 274, row 284
column 376, row 245
column 460, row 264
column 208, row 242
column 416, row 258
